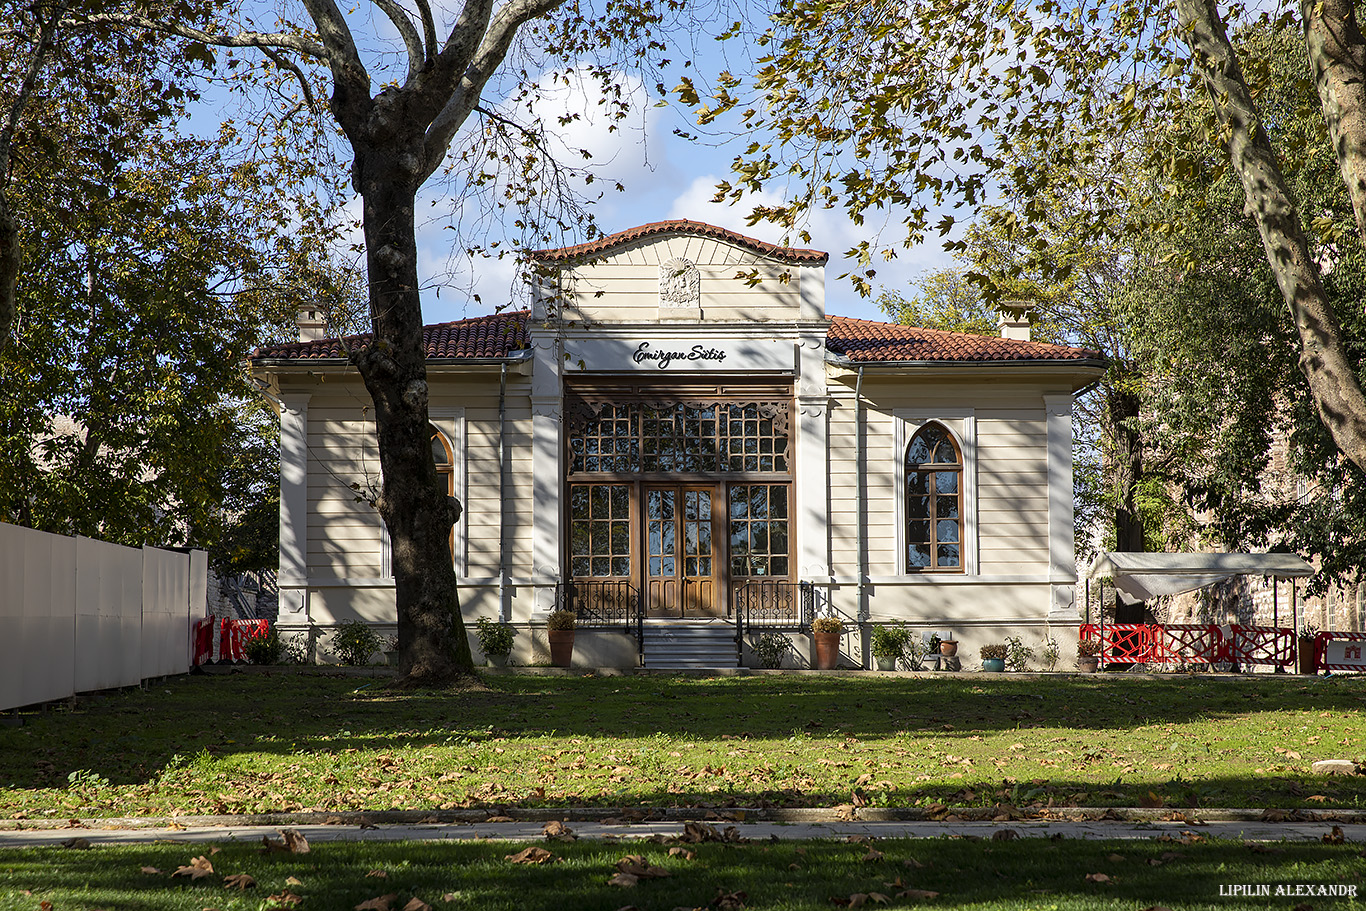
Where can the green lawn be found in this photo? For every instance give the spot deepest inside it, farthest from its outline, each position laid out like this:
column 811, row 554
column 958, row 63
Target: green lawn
column 256, row 743
column 1021, row 874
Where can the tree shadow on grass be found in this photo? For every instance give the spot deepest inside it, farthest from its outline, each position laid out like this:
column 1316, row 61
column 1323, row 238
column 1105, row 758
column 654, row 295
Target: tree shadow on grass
column 135, row 737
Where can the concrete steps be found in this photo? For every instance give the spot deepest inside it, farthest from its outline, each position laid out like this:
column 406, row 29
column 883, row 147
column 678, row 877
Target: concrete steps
column 690, row 647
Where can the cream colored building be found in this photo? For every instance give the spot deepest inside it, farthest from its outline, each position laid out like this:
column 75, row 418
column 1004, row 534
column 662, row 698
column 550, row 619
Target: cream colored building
column 671, row 450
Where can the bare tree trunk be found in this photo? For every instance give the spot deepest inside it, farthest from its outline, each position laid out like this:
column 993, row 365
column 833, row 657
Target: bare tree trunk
column 1332, row 381
column 419, row 514
column 1122, row 407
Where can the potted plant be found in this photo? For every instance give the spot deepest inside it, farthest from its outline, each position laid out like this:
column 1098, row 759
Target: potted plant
column 826, row 632
column 770, row 649
column 889, row 646
column 948, row 647
column 264, row 647
column 1051, row 652
column 994, row 657
column 495, row 641
column 1088, row 656
column 932, row 651
column 560, row 629
column 1305, row 651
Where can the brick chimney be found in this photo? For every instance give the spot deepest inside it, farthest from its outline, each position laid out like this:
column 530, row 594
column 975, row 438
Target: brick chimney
column 312, row 325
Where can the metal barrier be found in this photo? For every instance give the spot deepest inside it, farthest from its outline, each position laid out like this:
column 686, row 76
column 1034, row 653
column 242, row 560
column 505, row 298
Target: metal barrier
column 202, row 640
column 1190, row 643
column 1353, row 648
column 234, row 634
column 1130, row 643
column 1269, row 645
column 609, row 604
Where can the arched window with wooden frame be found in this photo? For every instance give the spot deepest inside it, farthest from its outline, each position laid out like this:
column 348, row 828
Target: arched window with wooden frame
column 444, row 457
column 934, row 501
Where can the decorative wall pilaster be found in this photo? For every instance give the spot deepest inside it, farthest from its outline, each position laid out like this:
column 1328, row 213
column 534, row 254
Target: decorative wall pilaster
column 547, row 470
column 812, row 477
column 293, row 577
column 1062, row 562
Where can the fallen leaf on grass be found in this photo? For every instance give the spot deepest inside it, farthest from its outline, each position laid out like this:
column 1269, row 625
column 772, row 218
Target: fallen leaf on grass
column 294, row 881
column 378, row 903
column 241, row 881
column 532, row 855
column 1334, row 837
column 499, row 819
column 1150, row 800
column 1097, row 878
column 873, row 855
column 1258, row 848
column 1116, row 858
column 417, row 904
column 913, row 863
column 728, row 901
column 637, row 866
column 918, row 895
column 378, row 874
column 79, row 844
column 682, row 852
column 197, row 868
column 290, row 840
column 286, row 898
column 558, row 831
column 1004, row 835
column 623, row 879
column 1157, row 908
column 150, row 870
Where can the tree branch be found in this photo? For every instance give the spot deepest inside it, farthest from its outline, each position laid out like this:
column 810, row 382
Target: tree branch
column 417, row 55
column 1337, row 55
column 280, row 40
column 285, row 63
column 424, row 9
column 350, row 81
column 492, row 50
column 1332, row 381
column 10, row 256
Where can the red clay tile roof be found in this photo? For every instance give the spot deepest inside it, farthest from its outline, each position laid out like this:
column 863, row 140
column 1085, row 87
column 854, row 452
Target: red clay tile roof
column 792, row 255
column 477, row 337
column 864, row 341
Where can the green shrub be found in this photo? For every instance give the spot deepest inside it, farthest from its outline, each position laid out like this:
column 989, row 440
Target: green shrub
column 265, row 647
column 354, row 643
column 890, row 643
column 994, row 651
column 827, row 625
column 1018, row 655
column 495, row 638
column 561, row 620
column 770, row 648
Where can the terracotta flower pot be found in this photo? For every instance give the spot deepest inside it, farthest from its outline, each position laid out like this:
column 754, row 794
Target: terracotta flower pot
column 1088, row 664
column 1304, row 656
column 827, row 650
column 561, row 647
column 948, row 647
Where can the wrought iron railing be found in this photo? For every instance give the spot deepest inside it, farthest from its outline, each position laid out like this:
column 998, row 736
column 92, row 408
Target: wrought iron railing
column 770, row 604
column 609, row 604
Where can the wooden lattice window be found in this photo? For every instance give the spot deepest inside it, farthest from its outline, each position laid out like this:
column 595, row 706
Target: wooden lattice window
column 600, row 530
column 934, row 502
column 759, row 530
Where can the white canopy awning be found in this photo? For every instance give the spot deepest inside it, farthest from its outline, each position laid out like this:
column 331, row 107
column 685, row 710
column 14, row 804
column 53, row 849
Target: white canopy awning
column 1140, row 577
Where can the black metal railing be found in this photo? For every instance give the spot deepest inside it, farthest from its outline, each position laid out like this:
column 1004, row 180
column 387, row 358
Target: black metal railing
column 609, row 604
column 774, row 604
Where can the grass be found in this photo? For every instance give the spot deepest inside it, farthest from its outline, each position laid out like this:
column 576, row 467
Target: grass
column 251, row 744
column 1021, row 874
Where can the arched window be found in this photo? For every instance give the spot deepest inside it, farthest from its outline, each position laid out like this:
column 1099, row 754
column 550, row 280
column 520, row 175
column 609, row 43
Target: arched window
column 934, row 502
column 445, row 468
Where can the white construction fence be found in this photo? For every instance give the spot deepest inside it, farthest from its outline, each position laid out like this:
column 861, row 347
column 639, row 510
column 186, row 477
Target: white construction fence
column 78, row 615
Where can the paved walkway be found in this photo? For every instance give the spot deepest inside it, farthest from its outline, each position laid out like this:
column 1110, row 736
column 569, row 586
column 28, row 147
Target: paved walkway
column 526, row 830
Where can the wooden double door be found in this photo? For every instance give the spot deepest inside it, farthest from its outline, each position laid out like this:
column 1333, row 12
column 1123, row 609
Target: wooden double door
column 682, row 566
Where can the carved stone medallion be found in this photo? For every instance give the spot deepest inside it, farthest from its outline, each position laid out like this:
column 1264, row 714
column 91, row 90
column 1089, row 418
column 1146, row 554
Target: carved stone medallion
column 680, row 285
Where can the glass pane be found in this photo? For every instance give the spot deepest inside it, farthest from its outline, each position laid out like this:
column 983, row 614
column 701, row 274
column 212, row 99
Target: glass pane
column 918, row 507
column 601, row 506
column 439, row 452
column 778, row 565
column 739, row 502
column 654, row 501
column 759, row 534
column 946, row 530
column 946, row 507
column 655, row 543
column 917, row 531
column 758, row 502
column 777, row 537
column 578, row 541
column 690, row 567
column 602, row 566
column 621, row 537
column 704, row 504
column 704, row 566
column 621, row 566
column 946, row 482
column 917, row 483
column 621, row 502
column 670, row 566
column 777, row 502
column 944, row 451
column 704, row 538
column 918, row 453
column 669, row 544
column 578, row 502
column 654, row 566
column 690, row 538
column 580, row 566
column 948, row 554
column 917, row 555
